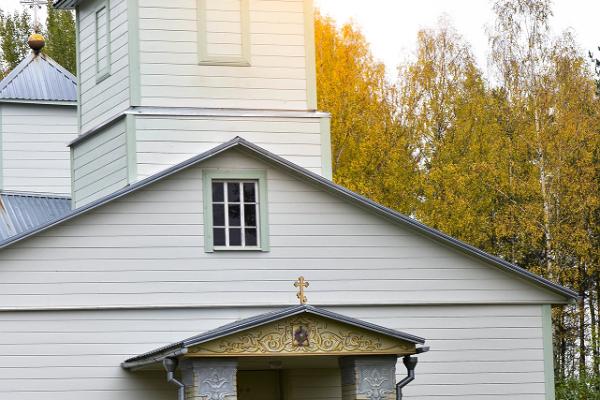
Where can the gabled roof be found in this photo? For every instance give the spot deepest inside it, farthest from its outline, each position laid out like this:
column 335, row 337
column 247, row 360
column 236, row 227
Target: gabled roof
column 323, row 183
column 39, row 78
column 179, row 348
column 21, row 212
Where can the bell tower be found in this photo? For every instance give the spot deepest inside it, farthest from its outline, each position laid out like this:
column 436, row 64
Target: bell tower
column 161, row 81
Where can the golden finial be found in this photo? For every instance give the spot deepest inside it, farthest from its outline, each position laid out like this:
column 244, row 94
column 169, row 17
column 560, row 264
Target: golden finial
column 301, row 283
column 36, row 41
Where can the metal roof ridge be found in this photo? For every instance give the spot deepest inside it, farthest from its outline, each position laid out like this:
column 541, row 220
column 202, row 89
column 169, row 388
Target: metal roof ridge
column 16, row 71
column 60, row 85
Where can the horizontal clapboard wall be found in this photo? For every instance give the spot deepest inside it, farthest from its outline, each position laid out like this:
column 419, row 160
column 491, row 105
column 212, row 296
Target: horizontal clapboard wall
column 103, row 78
column 35, row 156
column 147, row 250
column 490, row 352
column 166, row 141
column 258, row 55
column 100, row 164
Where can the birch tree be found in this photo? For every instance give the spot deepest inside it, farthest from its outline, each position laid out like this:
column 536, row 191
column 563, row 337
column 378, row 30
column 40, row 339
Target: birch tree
column 371, row 150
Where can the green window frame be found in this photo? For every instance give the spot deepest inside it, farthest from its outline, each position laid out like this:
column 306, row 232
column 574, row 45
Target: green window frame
column 102, row 71
column 260, row 177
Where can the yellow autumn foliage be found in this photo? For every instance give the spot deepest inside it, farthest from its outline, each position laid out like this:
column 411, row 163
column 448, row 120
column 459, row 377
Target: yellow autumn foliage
column 511, row 166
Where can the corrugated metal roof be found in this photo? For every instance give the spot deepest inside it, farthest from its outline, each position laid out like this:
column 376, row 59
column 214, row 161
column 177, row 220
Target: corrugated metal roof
column 20, row 212
column 39, row 78
column 65, row 4
column 259, row 320
column 323, row 183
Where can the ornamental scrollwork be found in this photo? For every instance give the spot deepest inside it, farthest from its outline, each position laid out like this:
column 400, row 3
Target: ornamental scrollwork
column 376, row 386
column 302, row 335
column 216, row 383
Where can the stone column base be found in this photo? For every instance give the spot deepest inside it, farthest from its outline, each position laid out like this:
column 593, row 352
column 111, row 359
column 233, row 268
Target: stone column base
column 210, row 379
column 368, row 378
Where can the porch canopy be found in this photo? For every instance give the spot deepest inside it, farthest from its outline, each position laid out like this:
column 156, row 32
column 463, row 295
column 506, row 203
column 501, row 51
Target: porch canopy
column 295, row 337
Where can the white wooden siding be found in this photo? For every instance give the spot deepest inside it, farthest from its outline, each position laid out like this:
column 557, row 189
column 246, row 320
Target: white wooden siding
column 101, row 100
column 171, row 76
column 489, row 352
column 166, row 141
column 223, row 35
column 100, row 164
column 35, row 156
column 102, row 41
column 147, row 250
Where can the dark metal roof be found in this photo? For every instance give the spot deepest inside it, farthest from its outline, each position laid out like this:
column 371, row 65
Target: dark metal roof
column 66, row 4
column 262, row 319
column 39, row 78
column 21, row 212
column 324, row 184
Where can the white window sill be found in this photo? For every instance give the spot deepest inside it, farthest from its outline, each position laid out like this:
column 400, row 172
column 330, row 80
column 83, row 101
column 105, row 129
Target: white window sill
column 236, row 248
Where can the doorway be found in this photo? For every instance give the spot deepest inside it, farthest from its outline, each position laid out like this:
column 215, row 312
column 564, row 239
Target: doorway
column 259, row 385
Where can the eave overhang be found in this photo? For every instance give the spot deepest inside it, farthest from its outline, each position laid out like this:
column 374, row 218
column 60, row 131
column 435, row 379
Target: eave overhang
column 65, row 4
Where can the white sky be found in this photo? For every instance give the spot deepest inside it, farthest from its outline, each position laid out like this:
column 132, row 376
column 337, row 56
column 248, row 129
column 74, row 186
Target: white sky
column 391, row 25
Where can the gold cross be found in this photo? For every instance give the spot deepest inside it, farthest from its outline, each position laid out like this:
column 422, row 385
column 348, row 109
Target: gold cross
column 301, row 283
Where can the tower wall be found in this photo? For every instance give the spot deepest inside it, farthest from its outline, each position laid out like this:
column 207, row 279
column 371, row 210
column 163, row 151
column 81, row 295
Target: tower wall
column 181, row 77
column 34, row 155
column 103, row 61
column 197, row 53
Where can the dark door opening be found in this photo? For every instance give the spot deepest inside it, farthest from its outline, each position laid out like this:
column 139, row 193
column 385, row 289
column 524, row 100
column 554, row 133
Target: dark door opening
column 258, row 385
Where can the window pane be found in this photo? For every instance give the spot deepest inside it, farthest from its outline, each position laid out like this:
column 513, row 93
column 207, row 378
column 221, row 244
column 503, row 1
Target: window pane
column 217, row 191
column 251, row 239
column 235, row 237
column 234, row 215
column 233, row 192
column 249, row 193
column 250, row 214
column 219, row 236
column 218, row 215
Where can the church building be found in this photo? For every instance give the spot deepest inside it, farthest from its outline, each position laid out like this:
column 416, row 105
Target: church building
column 169, row 229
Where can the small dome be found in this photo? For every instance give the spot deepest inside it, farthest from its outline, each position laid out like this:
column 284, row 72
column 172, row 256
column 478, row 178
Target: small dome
column 36, row 41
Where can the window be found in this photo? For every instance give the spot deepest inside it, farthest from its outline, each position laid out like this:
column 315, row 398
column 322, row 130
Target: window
column 235, row 213
column 223, row 32
column 102, row 43
column 235, row 210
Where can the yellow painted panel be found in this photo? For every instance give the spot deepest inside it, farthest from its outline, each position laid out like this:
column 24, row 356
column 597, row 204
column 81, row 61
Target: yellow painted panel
column 302, row 335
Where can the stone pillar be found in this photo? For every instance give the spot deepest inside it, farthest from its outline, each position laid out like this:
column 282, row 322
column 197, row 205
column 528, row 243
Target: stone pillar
column 368, row 378
column 209, row 379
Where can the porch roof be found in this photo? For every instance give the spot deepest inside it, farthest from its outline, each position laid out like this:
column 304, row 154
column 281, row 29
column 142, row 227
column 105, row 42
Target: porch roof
column 181, row 347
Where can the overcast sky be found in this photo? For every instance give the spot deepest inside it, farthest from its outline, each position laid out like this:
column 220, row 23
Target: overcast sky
column 391, row 25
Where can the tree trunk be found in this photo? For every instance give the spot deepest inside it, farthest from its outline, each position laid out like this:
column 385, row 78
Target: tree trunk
column 544, row 192
column 562, row 355
column 582, row 346
column 592, row 299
